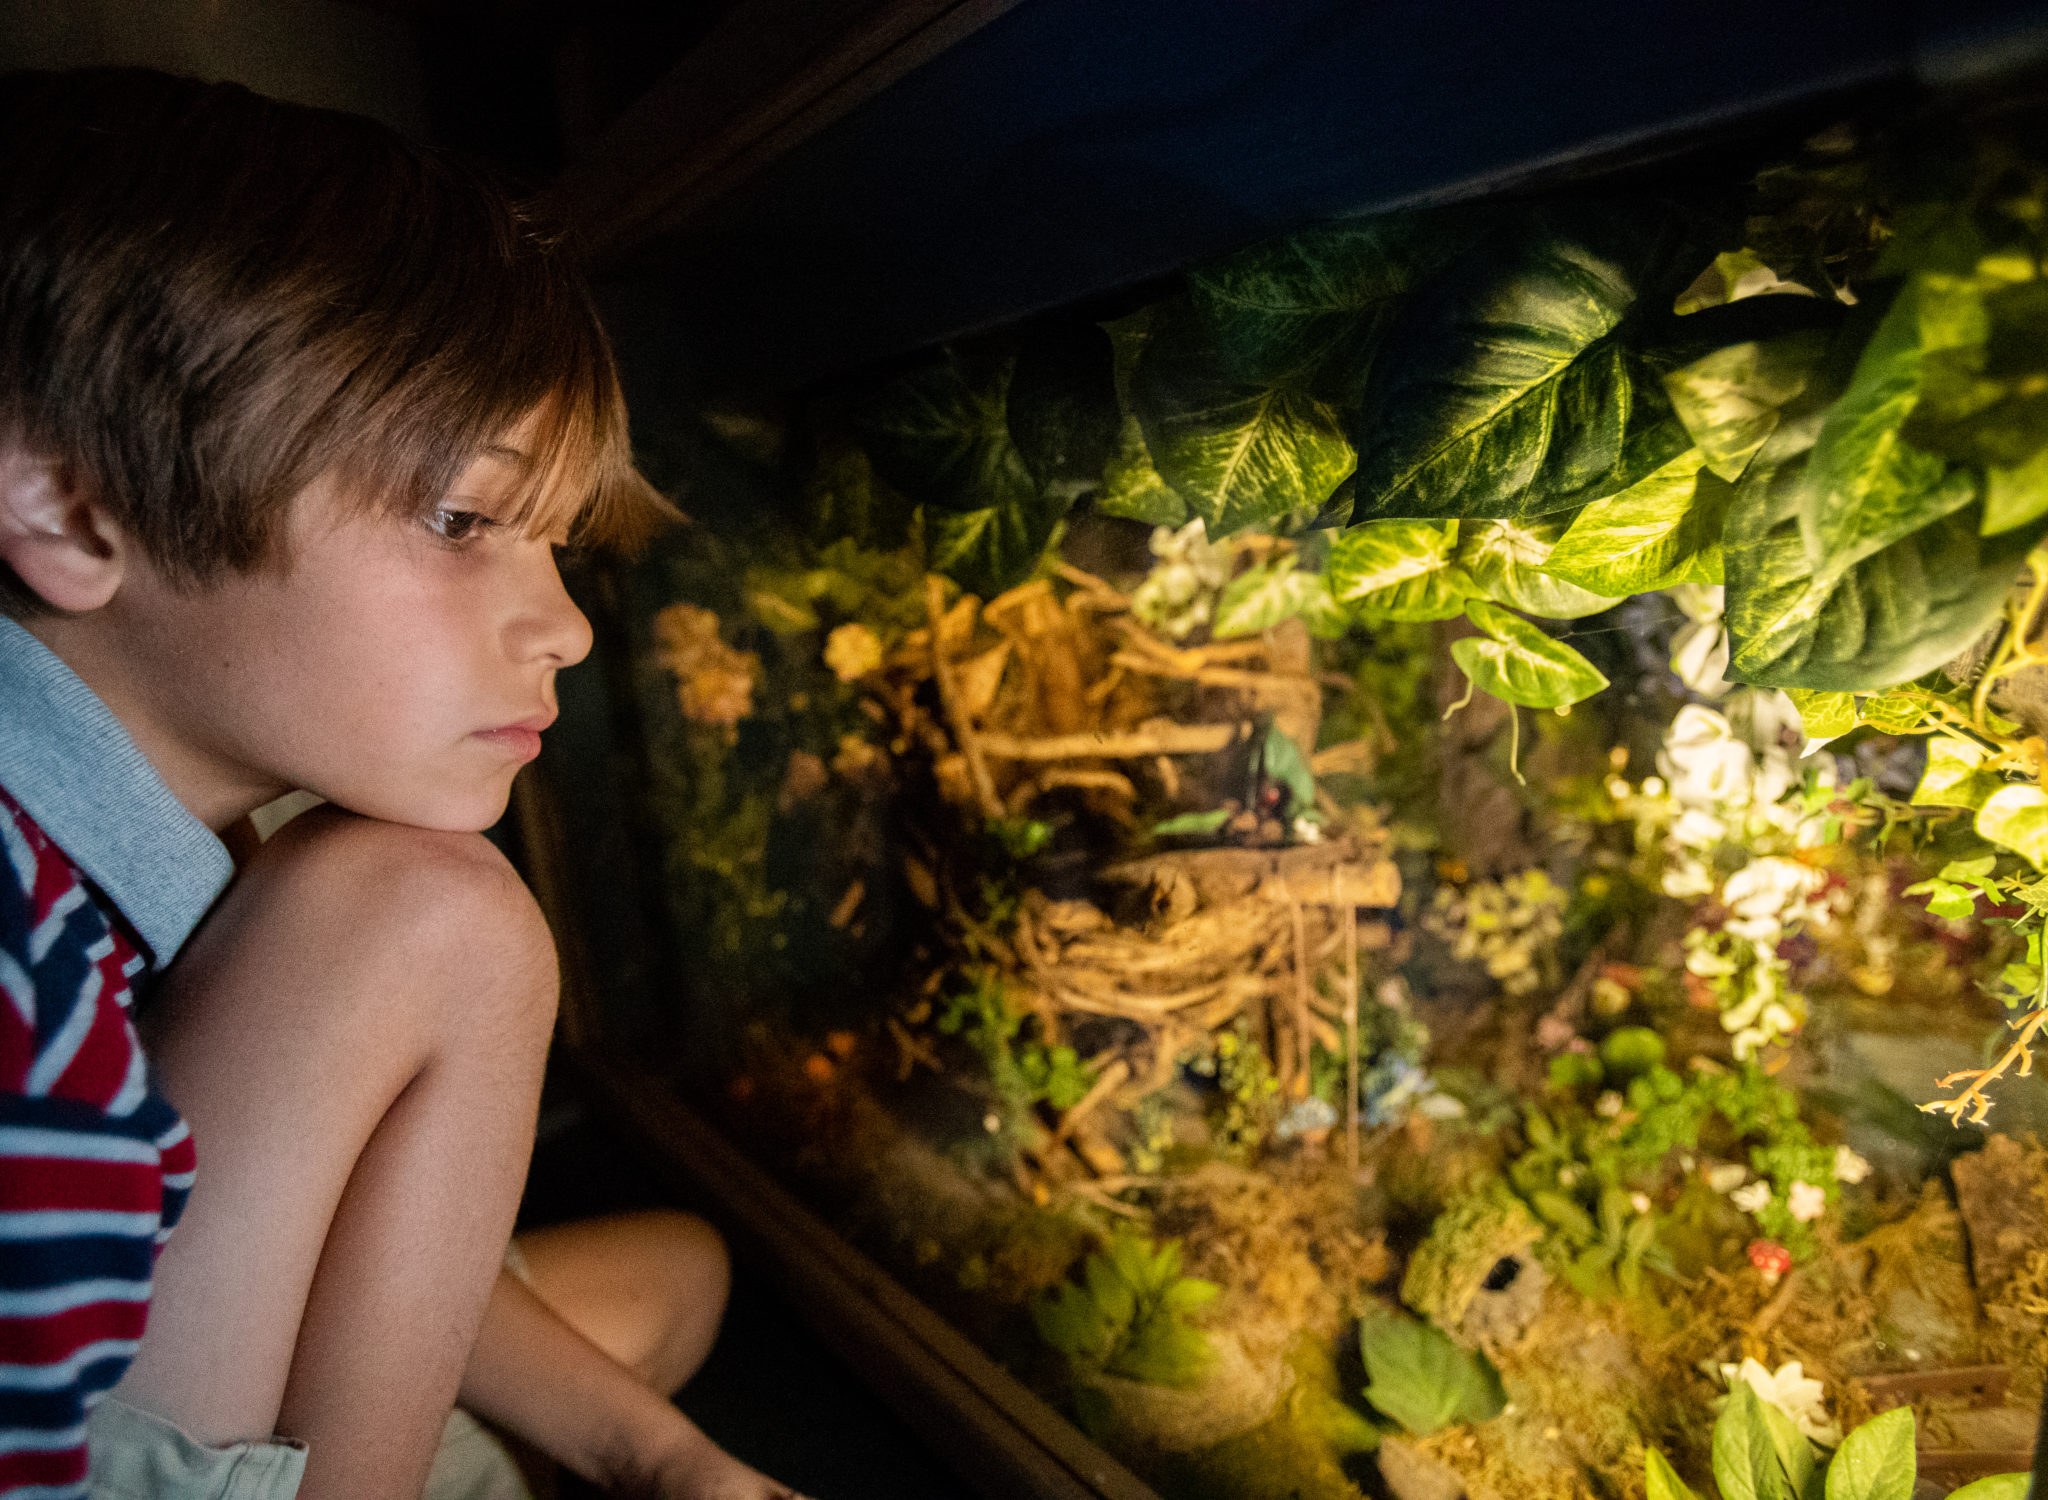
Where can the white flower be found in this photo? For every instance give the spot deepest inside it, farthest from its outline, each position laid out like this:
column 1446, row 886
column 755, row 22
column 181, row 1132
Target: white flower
column 1807, row 1202
column 1727, row 1177
column 1640, row 1202
column 1793, row 1392
column 1608, row 1105
column 1849, row 1167
column 1687, row 877
column 1702, row 761
column 1697, row 828
column 1753, row 1199
column 1766, row 893
column 1699, row 655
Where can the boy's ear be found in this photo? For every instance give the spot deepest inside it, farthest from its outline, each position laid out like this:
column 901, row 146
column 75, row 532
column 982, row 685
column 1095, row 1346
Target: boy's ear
column 61, row 542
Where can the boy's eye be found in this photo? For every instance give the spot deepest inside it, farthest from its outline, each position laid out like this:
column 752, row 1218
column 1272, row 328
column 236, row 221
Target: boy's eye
column 457, row 525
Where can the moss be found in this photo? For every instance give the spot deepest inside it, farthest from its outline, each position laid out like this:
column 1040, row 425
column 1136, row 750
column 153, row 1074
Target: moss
column 1475, row 1232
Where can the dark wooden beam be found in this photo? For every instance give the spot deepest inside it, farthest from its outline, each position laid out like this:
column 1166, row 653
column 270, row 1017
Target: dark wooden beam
column 771, row 75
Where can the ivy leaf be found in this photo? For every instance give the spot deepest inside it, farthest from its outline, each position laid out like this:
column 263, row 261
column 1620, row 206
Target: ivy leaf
column 1238, row 453
column 1876, row 1461
column 1730, row 400
column 1663, row 530
column 1304, row 310
column 1506, row 559
column 1423, row 1380
column 1894, row 713
column 1400, row 570
column 1131, row 486
column 1895, row 615
column 1955, row 776
column 2015, row 817
column 941, row 435
column 1662, row 1480
column 1746, row 1463
column 1517, row 663
column 1823, row 716
column 1263, row 596
column 1507, row 387
column 1866, row 486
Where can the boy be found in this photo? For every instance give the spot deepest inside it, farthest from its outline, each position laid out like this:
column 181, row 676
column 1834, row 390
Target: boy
column 292, row 416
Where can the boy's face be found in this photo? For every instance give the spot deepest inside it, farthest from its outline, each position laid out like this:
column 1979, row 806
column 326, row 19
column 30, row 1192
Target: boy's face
column 401, row 668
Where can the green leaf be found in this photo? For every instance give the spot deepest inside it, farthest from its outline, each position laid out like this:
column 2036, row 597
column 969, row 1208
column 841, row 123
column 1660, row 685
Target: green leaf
column 1564, row 1215
column 1068, row 1320
column 2015, row 817
column 1662, row 1480
column 1423, row 1380
column 1198, row 824
column 1263, row 596
column 1304, row 309
column 1112, row 1286
column 1894, row 713
column 1996, row 1487
column 1954, row 776
column 1897, row 614
column 1507, row 387
column 941, row 435
column 1730, row 400
column 1866, row 487
column 1507, row 558
column 1795, row 1454
column 1824, row 716
column 1746, row 1462
column 1282, row 763
column 2015, row 496
column 1400, row 570
column 1162, row 1350
column 1518, row 663
column 1876, row 1461
column 1238, row 453
column 1944, row 898
column 1656, row 534
column 1131, row 486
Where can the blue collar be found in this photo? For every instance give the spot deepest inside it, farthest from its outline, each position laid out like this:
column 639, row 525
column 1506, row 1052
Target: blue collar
column 66, row 759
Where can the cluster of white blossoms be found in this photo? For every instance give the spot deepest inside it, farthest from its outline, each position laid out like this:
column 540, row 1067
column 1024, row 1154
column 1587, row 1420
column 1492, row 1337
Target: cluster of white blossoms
column 1179, row 594
column 1728, row 815
column 1792, row 1391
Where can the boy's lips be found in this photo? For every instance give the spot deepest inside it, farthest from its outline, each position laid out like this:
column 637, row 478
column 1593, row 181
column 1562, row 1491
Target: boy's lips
column 520, row 740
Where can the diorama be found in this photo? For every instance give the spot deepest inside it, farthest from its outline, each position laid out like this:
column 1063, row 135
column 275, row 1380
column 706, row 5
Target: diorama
column 1413, row 862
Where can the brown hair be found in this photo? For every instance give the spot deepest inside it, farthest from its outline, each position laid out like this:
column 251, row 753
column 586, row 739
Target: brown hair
column 209, row 298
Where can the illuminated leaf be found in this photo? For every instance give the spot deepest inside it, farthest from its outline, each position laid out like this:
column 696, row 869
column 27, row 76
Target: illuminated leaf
column 1955, row 776
column 2016, row 817
column 1661, row 531
column 1264, row 595
column 1400, row 570
column 1662, row 1480
column 1876, row 1461
column 1824, row 715
column 1506, row 559
column 1507, row 387
column 1423, row 1380
column 1517, row 663
column 1746, row 1461
column 1729, row 400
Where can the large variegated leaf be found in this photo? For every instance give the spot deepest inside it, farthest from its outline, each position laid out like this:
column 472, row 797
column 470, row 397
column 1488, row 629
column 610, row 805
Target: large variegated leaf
column 940, row 434
column 1896, row 614
column 1238, row 453
column 1400, row 570
column 1866, row 486
column 1507, row 387
column 1663, row 530
column 1131, row 486
column 1506, row 560
column 1517, row 663
column 1303, row 310
column 1270, row 593
column 1729, row 401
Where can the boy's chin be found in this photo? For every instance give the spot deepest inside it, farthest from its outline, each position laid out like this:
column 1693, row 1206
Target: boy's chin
column 470, row 811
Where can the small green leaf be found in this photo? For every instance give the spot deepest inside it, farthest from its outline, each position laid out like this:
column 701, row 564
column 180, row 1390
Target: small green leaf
column 1282, row 763
column 1423, row 1380
column 1876, row 1461
column 1945, row 898
column 1824, row 716
column 1954, row 776
column 1996, row 1487
column 1194, row 824
column 2015, row 496
column 1746, row 1462
column 1795, row 1454
column 1507, row 560
column 2016, row 817
column 1131, row 487
column 1894, row 713
column 1653, row 535
column 1662, row 1480
column 1400, row 570
column 1238, row 453
column 1518, row 663
column 1263, row 596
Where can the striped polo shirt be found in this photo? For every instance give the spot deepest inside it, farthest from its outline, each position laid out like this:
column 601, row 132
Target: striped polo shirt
column 105, row 876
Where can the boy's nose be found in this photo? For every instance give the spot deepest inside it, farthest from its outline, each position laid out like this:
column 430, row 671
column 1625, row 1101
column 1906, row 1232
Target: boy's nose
column 554, row 628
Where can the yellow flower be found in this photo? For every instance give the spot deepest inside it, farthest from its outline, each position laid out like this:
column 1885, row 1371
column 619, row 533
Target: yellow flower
column 852, row 651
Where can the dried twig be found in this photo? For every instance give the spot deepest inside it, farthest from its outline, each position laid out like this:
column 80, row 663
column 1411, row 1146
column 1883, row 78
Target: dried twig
column 1162, row 739
column 949, row 700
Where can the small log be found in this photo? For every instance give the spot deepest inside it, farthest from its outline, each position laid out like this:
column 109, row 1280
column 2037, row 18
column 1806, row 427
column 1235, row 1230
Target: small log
column 1162, row 739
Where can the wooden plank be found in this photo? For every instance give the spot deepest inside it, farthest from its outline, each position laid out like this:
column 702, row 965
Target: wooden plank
column 772, row 74
column 999, row 1437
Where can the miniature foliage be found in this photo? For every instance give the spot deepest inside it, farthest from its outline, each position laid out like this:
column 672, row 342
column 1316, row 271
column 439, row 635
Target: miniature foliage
column 1423, row 1380
column 1130, row 1314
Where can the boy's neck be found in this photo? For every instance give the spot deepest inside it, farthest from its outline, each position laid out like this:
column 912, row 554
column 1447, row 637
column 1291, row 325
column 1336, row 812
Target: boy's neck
column 210, row 790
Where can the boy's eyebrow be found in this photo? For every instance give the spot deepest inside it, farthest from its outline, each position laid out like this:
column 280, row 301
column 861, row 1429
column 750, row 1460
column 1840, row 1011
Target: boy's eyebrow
column 507, row 454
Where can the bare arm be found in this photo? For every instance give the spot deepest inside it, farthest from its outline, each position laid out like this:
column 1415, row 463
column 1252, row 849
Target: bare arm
column 533, row 1374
